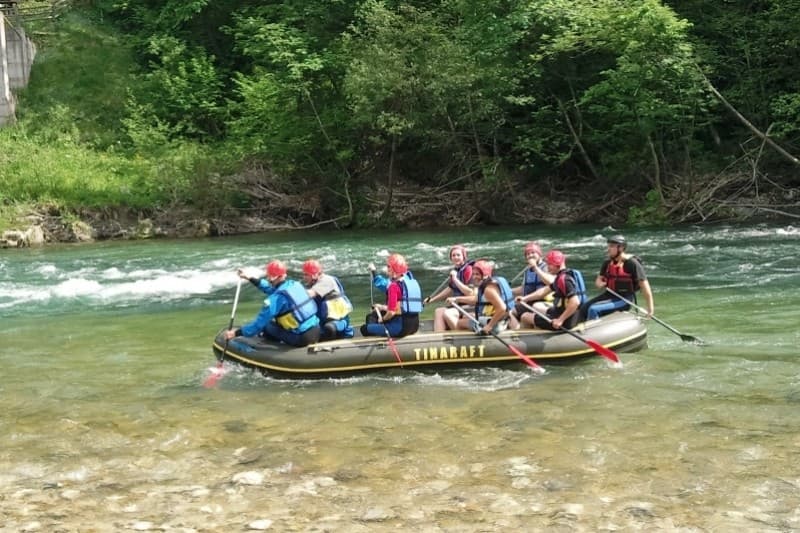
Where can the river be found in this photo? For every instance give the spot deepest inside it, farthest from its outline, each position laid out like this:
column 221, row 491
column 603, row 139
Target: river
column 106, row 427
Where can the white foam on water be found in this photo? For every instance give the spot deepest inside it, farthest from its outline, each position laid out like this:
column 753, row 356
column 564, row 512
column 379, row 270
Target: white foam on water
column 113, row 285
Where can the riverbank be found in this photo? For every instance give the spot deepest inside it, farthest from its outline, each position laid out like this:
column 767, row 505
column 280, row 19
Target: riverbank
column 409, row 208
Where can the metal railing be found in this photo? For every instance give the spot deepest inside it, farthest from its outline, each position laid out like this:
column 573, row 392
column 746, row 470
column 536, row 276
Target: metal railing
column 33, row 9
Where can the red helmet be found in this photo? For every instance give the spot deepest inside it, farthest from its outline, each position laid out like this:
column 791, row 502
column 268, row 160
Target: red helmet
column 397, row 264
column 276, row 269
column 484, row 267
column 532, row 247
column 312, row 267
column 555, row 258
column 459, row 247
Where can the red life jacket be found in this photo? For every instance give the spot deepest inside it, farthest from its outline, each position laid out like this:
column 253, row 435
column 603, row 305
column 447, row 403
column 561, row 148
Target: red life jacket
column 619, row 280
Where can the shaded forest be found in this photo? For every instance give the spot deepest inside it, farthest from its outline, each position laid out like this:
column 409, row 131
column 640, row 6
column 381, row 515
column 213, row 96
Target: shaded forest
column 368, row 113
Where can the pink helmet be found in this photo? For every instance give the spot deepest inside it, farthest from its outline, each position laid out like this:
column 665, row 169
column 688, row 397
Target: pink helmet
column 532, row 247
column 276, row 269
column 312, row 267
column 484, row 267
column 397, row 264
column 459, row 247
column 555, row 258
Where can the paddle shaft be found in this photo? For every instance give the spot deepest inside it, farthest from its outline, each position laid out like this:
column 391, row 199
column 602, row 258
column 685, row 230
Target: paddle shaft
column 683, row 336
column 212, row 379
column 597, row 347
column 530, row 362
column 521, row 272
column 439, row 288
column 389, row 338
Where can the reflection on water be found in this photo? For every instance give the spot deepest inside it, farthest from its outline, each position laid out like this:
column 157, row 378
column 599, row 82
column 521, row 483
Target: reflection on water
column 106, row 427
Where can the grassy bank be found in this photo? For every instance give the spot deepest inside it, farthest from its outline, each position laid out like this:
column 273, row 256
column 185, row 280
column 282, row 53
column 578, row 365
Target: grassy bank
column 78, row 142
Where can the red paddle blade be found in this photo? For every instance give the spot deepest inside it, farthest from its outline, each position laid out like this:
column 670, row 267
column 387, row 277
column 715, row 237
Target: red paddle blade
column 216, row 374
column 394, row 350
column 605, row 352
column 530, row 362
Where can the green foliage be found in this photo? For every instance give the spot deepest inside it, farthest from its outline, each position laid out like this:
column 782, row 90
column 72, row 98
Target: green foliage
column 623, row 73
column 786, row 110
column 181, row 89
column 650, row 213
column 79, row 81
column 54, row 168
column 751, row 51
column 81, row 141
column 473, row 93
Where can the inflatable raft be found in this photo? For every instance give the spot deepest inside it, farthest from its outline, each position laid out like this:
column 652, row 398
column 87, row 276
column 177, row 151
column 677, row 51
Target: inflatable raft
column 429, row 351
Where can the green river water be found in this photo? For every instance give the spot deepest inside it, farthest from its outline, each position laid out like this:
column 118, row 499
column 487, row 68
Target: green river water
column 105, row 425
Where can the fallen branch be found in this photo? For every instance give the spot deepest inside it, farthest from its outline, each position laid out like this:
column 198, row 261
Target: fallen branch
column 746, row 122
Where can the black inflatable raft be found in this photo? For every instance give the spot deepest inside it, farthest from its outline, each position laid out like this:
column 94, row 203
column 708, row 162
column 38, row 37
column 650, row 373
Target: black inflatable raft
column 426, row 350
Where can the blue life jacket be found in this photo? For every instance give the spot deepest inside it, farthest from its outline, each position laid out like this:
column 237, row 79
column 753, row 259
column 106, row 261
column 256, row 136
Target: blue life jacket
column 580, row 286
column 485, row 308
column 411, row 298
column 302, row 313
column 532, row 281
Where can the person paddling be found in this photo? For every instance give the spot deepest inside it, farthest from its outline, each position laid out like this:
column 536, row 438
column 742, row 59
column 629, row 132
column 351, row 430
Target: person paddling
column 492, row 300
column 534, row 277
column 333, row 305
column 624, row 274
column 458, row 283
column 568, row 289
column 399, row 316
column 289, row 314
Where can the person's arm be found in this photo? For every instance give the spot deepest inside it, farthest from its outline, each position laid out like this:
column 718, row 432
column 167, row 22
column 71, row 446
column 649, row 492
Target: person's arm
column 600, row 281
column 573, row 302
column 441, row 295
column 644, row 286
column 323, row 287
column 546, row 277
column 493, row 296
column 466, row 299
column 262, row 319
column 538, row 294
column 460, row 285
column 260, row 283
column 381, row 282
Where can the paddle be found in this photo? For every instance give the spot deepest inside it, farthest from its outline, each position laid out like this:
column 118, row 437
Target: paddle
column 521, row 272
column 217, row 373
column 380, row 319
column 684, row 337
column 447, row 279
column 390, row 339
column 596, row 346
column 439, row 288
column 530, row 362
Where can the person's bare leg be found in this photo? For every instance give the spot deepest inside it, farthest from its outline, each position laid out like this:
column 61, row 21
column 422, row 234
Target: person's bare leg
column 439, row 323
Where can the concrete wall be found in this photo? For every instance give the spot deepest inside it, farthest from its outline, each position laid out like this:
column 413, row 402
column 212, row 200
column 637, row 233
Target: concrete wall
column 16, row 57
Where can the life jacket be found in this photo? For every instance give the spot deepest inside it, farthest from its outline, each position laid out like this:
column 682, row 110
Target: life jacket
column 411, row 294
column 561, row 284
column 461, row 272
column 483, row 307
column 302, row 308
column 618, row 280
column 335, row 305
column 531, row 282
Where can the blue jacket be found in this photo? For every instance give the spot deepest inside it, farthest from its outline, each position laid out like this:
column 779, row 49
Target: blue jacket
column 289, row 305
